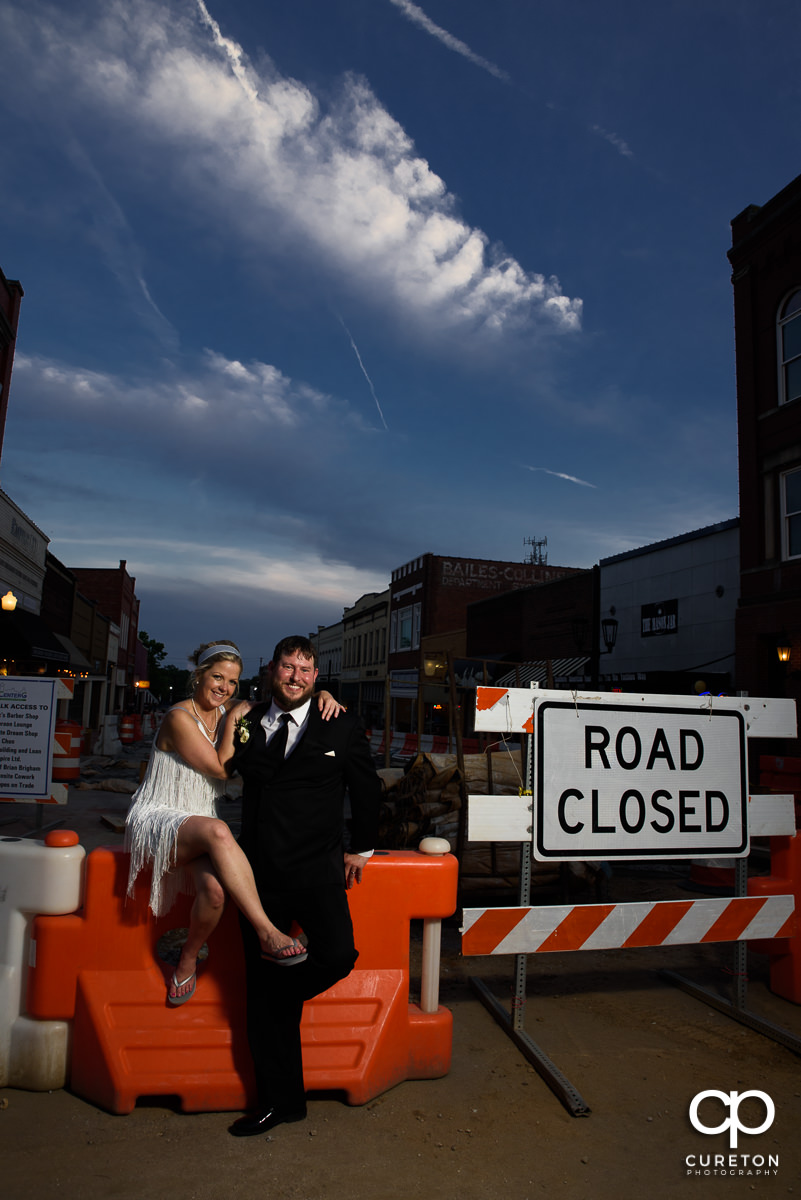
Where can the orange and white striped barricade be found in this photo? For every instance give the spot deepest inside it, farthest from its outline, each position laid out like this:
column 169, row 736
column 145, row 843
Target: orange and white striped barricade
column 619, row 776
column 99, row 969
column 67, row 751
column 407, row 748
column 127, row 730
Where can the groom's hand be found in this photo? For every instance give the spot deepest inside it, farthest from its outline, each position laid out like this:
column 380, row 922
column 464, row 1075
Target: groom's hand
column 354, row 865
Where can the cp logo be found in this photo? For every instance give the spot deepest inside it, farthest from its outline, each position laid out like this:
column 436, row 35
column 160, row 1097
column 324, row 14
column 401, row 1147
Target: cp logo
column 732, row 1100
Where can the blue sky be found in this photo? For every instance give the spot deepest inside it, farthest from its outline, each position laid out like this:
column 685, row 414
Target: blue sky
column 313, row 288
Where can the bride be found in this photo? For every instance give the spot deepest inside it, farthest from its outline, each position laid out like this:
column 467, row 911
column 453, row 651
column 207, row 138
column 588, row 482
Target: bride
column 172, row 824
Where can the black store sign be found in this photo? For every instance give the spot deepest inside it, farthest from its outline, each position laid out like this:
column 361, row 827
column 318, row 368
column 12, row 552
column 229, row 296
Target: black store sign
column 656, row 620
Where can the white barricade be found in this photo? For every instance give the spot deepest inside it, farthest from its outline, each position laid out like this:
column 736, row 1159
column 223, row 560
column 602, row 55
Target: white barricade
column 35, row 877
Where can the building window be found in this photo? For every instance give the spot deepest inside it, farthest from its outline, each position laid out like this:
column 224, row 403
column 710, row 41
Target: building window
column 791, row 514
column 789, row 332
column 405, row 628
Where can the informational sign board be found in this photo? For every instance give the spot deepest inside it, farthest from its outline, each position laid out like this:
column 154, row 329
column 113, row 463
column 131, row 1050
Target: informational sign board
column 638, row 781
column 27, row 731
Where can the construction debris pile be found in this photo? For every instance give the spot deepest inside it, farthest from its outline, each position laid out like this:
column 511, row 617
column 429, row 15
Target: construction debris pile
column 427, row 798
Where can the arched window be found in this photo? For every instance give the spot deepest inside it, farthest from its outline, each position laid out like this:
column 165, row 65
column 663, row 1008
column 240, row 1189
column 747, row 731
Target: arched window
column 789, row 331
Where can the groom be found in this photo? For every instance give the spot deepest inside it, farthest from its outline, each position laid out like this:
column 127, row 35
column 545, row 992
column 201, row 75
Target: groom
column 296, row 768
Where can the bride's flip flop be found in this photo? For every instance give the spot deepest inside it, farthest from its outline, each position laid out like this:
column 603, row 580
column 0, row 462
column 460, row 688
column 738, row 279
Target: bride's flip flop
column 284, row 960
column 176, row 983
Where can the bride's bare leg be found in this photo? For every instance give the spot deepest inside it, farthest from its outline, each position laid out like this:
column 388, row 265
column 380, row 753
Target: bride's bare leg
column 207, row 835
column 203, row 920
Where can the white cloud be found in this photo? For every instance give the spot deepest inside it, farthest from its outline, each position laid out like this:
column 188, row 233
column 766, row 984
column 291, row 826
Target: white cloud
column 218, row 441
column 345, row 184
column 220, row 394
column 418, row 17
column 172, row 564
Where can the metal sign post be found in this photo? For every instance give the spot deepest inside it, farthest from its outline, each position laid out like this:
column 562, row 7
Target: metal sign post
column 515, row 1023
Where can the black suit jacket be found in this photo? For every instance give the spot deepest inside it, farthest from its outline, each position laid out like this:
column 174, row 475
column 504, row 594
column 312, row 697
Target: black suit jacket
column 293, row 811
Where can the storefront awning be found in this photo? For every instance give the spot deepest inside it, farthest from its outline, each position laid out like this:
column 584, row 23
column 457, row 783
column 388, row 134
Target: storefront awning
column 562, row 669
column 24, row 637
column 77, row 660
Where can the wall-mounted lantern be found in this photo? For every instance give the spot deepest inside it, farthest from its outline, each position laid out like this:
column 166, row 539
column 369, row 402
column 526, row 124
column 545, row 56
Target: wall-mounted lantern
column 609, row 631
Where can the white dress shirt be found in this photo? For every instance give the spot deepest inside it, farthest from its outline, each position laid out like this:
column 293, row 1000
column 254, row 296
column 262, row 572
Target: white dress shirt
column 295, row 726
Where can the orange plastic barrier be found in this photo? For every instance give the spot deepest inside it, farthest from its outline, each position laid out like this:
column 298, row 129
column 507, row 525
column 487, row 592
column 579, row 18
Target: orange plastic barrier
column 785, row 953
column 99, row 968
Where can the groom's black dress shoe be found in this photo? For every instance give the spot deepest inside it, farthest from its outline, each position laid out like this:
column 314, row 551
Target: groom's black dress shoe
column 264, row 1120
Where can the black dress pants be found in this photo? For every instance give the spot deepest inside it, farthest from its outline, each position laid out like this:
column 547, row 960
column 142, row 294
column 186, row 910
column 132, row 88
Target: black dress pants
column 275, row 994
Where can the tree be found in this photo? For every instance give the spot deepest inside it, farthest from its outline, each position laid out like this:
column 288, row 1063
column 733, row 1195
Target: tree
column 156, row 652
column 168, row 682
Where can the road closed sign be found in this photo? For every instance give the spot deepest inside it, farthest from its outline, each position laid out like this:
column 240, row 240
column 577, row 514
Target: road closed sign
column 638, row 781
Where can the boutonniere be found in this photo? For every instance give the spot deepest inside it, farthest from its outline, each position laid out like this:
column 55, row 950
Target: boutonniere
column 242, row 729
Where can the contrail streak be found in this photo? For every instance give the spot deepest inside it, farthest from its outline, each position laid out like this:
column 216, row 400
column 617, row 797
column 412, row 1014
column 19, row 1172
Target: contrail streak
column 364, row 371
column 561, row 475
column 416, row 15
column 231, row 49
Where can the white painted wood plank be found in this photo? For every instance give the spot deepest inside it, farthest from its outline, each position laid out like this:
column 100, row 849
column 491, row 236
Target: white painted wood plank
column 510, row 709
column 771, row 816
column 499, row 818
column 508, row 818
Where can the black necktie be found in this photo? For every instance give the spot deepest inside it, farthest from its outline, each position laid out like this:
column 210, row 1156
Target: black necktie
column 276, row 747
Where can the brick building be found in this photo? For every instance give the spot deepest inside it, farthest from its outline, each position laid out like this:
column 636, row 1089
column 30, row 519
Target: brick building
column 430, row 595
column 113, row 589
column 766, row 275
column 551, row 620
column 429, row 599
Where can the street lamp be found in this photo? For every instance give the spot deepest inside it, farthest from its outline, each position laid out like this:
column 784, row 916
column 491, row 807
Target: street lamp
column 784, row 648
column 9, row 601
column 609, row 631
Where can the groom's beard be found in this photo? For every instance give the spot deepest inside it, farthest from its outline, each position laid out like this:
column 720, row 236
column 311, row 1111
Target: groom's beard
column 290, row 698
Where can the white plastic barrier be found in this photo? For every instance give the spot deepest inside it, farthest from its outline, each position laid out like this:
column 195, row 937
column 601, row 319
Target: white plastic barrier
column 35, row 877
column 108, row 739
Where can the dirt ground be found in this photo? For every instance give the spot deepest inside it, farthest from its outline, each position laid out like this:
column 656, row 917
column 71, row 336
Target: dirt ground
column 636, row 1049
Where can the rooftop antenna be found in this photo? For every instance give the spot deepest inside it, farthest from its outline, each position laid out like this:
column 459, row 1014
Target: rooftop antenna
column 538, row 554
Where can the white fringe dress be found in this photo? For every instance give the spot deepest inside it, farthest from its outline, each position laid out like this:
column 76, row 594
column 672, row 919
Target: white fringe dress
column 170, row 792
